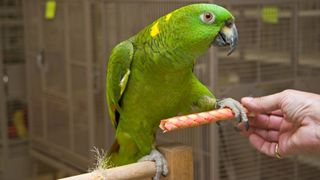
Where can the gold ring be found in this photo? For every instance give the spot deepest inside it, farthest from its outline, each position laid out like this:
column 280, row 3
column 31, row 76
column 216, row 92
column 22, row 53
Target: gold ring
column 276, row 152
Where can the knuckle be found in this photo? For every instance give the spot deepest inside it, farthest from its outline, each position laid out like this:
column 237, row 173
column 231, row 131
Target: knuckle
column 288, row 92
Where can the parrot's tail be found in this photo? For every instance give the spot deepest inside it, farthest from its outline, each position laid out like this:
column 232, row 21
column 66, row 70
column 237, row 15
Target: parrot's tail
column 114, row 148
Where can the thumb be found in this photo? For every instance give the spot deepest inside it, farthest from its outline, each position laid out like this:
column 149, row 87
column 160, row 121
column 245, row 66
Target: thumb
column 263, row 104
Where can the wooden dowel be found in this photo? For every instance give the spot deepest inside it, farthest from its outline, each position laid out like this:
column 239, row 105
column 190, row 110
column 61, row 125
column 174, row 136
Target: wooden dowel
column 140, row 170
column 180, row 164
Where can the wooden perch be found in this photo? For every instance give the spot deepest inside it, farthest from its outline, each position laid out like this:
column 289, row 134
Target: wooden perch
column 180, row 163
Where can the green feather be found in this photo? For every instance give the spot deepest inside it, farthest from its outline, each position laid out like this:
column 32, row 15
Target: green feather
column 118, row 66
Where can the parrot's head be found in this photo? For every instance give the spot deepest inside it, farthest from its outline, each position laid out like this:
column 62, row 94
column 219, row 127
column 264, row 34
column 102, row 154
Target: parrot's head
column 198, row 26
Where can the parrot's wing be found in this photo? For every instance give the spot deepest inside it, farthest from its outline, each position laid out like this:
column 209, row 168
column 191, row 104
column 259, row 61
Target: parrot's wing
column 118, row 74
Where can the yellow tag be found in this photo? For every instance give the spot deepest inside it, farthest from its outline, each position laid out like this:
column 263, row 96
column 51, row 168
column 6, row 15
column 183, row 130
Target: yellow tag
column 270, row 14
column 50, row 12
column 18, row 120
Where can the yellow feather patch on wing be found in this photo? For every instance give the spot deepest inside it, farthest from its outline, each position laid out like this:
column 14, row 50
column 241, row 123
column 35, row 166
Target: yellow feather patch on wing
column 124, row 81
column 155, row 29
column 168, row 16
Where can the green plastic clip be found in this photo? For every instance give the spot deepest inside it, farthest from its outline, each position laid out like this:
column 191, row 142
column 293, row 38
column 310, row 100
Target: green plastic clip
column 50, row 12
column 270, row 14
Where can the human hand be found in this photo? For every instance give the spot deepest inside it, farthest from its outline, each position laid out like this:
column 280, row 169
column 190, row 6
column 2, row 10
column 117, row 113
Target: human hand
column 290, row 119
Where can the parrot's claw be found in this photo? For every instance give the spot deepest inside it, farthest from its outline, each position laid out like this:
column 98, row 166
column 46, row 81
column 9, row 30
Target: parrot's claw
column 161, row 163
column 237, row 109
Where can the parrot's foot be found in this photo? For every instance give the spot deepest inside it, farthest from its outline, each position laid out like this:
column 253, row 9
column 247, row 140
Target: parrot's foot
column 161, row 163
column 237, row 109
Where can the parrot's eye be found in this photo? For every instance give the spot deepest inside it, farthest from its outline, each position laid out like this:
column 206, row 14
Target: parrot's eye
column 207, row 17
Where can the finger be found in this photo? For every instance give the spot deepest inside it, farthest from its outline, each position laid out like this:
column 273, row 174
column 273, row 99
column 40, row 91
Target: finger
column 263, row 104
column 262, row 145
column 268, row 135
column 243, row 129
column 264, row 121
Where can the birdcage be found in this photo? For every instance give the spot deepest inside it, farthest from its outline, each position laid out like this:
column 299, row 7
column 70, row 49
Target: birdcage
column 275, row 52
column 67, row 56
column 308, row 42
column 61, row 82
column 308, row 62
column 14, row 122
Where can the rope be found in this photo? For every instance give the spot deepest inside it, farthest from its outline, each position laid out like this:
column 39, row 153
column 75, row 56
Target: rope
column 196, row 119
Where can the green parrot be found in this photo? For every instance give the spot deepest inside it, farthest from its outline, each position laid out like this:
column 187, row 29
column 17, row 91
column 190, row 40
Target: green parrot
column 150, row 77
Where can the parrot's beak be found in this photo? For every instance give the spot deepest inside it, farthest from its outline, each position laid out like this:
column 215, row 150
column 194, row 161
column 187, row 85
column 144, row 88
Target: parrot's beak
column 228, row 36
